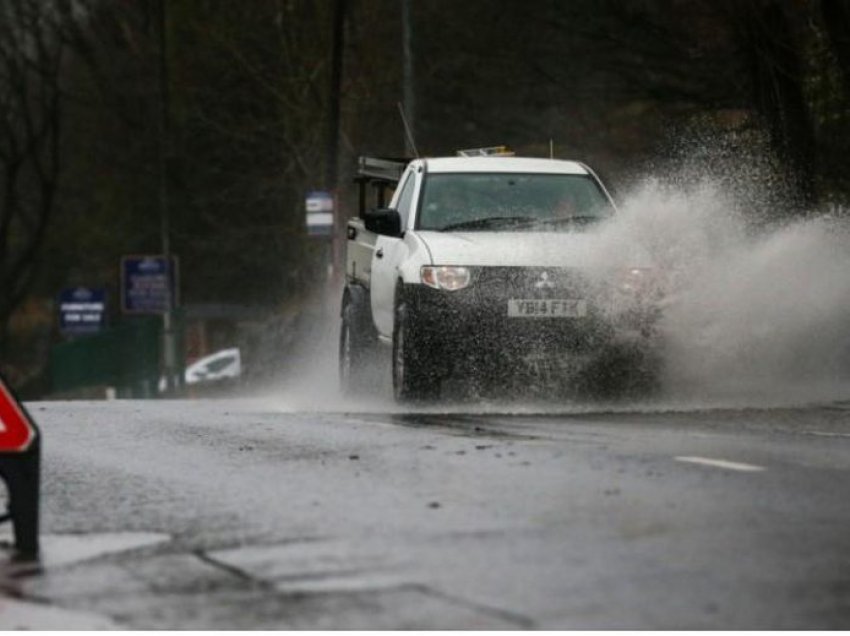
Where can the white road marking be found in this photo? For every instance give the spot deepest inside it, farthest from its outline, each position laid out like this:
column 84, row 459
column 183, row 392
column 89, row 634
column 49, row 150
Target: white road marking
column 823, row 434
column 721, row 463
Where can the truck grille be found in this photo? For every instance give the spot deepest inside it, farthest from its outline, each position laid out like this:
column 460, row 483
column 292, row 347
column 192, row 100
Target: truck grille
column 498, row 283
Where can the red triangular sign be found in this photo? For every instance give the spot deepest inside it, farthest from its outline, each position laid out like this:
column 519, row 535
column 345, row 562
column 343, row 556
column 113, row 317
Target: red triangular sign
column 18, row 432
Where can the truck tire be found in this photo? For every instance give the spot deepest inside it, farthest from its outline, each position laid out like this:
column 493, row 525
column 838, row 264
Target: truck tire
column 356, row 351
column 414, row 377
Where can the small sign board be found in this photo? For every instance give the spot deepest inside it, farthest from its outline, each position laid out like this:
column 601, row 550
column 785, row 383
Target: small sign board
column 320, row 214
column 148, row 284
column 82, row 310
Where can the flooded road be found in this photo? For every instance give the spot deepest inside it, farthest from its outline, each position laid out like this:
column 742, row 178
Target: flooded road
column 242, row 514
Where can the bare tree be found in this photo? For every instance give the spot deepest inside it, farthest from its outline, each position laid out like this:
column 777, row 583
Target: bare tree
column 775, row 58
column 30, row 114
column 836, row 20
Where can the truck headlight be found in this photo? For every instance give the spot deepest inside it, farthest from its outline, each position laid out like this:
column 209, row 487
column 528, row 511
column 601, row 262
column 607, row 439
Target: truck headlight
column 641, row 283
column 447, row 277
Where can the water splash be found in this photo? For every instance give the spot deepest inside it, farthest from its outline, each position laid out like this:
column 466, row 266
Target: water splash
column 755, row 314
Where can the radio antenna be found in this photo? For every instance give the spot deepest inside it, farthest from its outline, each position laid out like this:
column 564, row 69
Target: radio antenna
column 408, row 133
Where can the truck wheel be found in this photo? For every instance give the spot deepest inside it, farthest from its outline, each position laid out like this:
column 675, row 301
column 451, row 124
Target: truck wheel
column 356, row 349
column 413, row 374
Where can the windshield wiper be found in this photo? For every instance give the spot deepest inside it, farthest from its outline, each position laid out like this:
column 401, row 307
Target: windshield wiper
column 489, row 221
column 578, row 218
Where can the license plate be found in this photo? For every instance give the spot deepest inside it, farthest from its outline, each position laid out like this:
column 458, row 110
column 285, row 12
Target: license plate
column 546, row 308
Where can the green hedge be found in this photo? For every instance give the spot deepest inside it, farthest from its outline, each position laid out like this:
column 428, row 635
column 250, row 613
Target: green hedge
column 126, row 357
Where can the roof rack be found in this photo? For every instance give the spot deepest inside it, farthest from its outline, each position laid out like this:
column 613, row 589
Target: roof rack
column 382, row 173
column 387, row 169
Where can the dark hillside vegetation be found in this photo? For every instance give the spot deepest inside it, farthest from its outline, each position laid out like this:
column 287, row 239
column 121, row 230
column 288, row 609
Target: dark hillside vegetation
column 221, row 109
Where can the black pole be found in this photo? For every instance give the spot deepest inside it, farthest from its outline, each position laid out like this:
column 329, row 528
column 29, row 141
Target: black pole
column 332, row 160
column 408, row 94
column 334, row 95
column 169, row 341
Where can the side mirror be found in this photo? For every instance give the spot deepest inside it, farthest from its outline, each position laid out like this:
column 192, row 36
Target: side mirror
column 385, row 221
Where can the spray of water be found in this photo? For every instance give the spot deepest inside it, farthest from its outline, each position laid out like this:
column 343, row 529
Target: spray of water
column 755, row 314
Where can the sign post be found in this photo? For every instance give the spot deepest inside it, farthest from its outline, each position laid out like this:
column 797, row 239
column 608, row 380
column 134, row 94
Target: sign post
column 20, row 468
column 150, row 285
column 320, row 219
column 320, row 214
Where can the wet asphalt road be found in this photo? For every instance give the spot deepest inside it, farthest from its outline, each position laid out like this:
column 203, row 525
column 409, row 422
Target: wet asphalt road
column 238, row 514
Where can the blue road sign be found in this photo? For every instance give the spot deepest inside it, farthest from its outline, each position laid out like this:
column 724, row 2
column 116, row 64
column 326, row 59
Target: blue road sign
column 320, row 213
column 148, row 284
column 82, row 310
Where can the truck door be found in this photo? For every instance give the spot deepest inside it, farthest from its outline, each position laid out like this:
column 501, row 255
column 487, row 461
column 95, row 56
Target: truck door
column 389, row 253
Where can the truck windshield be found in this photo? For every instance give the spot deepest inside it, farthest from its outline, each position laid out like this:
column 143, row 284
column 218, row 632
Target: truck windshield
column 510, row 202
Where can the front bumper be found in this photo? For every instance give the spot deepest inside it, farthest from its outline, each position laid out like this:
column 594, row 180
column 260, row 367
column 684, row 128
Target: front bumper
column 471, row 327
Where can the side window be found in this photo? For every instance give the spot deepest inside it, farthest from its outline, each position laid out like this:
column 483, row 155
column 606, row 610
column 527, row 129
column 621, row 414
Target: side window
column 405, row 199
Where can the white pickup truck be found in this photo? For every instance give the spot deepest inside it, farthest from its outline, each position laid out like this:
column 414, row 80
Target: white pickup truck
column 483, row 269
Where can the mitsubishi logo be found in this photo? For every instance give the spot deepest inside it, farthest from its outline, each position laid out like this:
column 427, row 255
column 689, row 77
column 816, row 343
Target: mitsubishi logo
column 544, row 282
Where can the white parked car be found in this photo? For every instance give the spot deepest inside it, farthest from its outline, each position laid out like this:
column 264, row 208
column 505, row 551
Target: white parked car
column 221, row 365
